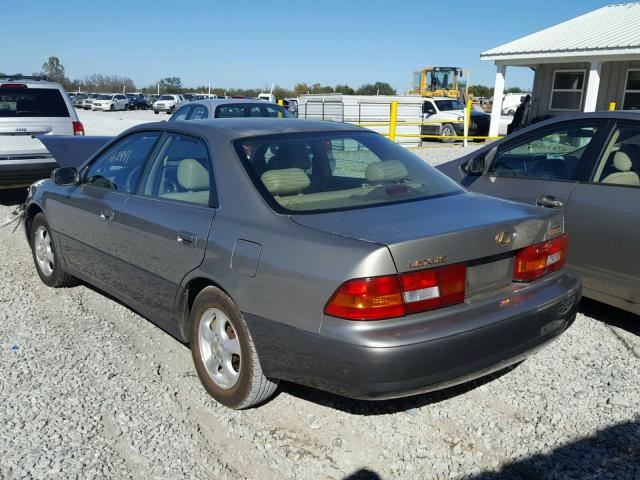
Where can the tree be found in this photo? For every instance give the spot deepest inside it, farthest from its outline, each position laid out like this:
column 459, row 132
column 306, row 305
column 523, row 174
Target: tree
column 481, row 91
column 319, row 88
column 171, row 85
column 301, row 88
column 514, row 90
column 344, row 89
column 378, row 88
column 54, row 69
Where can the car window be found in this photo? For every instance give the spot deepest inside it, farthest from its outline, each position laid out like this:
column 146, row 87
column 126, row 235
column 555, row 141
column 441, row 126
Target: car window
column 180, row 170
column 181, row 114
column 32, row 102
column 120, row 167
column 199, row 112
column 251, row 110
column 620, row 164
column 307, row 173
column 555, row 153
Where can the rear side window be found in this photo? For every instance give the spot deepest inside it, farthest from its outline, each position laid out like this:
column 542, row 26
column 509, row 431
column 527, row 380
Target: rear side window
column 252, row 110
column 32, row 102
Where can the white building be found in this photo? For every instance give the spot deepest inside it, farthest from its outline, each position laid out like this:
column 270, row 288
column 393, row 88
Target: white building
column 582, row 64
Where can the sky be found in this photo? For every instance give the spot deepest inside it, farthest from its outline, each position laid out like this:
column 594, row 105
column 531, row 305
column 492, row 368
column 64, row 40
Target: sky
column 251, row 44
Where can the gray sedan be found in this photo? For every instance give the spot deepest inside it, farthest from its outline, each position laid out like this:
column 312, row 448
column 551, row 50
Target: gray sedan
column 312, row 252
column 229, row 108
column 588, row 167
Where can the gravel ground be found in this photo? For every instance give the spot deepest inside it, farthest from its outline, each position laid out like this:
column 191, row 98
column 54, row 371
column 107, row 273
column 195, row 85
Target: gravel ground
column 89, row 389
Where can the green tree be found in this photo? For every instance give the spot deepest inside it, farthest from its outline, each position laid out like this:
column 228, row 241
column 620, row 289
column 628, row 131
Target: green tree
column 480, row 91
column 514, row 90
column 53, row 69
column 378, row 88
column 344, row 89
column 301, row 88
column 170, row 85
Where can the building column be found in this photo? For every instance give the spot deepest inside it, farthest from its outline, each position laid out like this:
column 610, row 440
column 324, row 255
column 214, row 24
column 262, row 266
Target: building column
column 498, row 92
column 593, row 85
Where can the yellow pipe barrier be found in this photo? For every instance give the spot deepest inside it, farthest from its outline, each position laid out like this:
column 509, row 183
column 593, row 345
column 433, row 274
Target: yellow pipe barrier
column 467, row 121
column 281, row 102
column 393, row 119
column 612, row 106
column 457, row 137
column 401, row 123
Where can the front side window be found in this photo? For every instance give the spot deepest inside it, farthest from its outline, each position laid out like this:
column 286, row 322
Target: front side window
column 309, row 173
column 446, row 105
column 620, row 164
column 120, row 167
column 566, row 93
column 632, row 91
column 179, row 171
column 181, row 114
column 556, row 153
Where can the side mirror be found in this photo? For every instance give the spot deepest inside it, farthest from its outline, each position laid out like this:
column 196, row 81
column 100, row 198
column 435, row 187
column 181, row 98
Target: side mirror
column 65, row 176
column 475, row 166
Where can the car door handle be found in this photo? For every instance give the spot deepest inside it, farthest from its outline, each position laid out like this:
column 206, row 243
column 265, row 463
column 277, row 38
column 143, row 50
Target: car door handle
column 187, row 238
column 548, row 201
column 107, row 215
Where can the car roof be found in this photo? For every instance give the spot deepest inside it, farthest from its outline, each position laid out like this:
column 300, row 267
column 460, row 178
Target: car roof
column 230, row 129
column 214, row 102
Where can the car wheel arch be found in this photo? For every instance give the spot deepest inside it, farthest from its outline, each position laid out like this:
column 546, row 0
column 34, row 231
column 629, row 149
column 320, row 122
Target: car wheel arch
column 185, row 298
column 32, row 210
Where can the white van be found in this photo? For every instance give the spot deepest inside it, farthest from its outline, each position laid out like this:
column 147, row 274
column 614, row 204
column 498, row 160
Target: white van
column 511, row 101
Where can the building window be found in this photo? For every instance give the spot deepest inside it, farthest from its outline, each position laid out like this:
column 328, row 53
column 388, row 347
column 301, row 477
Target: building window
column 632, row 91
column 566, row 93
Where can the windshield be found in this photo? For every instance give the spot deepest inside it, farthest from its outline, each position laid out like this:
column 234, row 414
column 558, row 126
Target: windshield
column 32, row 102
column 444, row 105
column 261, row 109
column 166, row 97
column 310, row 173
column 105, row 97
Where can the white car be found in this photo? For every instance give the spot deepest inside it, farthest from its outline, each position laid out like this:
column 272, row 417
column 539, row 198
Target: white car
column 511, row 102
column 444, row 116
column 167, row 103
column 110, row 102
column 31, row 106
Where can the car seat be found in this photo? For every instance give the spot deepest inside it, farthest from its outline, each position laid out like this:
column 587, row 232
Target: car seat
column 623, row 175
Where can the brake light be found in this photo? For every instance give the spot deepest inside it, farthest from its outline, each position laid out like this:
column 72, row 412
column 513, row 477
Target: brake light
column 13, row 85
column 373, row 298
column 78, row 129
column 378, row 298
column 434, row 288
column 541, row 259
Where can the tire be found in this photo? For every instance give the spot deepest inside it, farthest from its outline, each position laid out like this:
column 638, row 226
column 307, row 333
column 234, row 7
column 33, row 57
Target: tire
column 511, row 112
column 45, row 257
column 112, row 108
column 218, row 331
column 155, row 111
column 448, row 130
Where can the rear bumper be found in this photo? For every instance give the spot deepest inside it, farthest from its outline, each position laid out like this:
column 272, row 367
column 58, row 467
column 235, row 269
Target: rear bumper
column 23, row 172
column 419, row 353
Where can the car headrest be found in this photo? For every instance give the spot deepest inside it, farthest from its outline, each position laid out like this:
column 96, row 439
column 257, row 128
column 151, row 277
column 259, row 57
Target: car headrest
column 622, row 162
column 290, row 156
column 285, row 181
column 388, row 171
column 192, row 175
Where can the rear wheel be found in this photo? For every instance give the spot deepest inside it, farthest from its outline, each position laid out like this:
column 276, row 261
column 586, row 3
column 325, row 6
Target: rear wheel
column 112, row 108
column 224, row 354
column 155, row 111
column 45, row 257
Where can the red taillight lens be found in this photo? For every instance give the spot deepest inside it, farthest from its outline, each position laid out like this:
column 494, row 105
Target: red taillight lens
column 372, row 298
column 377, row 298
column 541, row 259
column 78, row 129
column 13, row 85
column 434, row 288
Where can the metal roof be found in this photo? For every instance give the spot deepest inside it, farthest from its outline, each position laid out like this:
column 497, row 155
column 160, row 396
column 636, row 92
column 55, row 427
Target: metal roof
column 610, row 30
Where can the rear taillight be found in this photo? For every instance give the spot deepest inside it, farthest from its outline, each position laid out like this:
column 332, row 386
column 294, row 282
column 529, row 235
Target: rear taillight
column 13, row 85
column 371, row 298
column 541, row 259
column 434, row 288
column 378, row 298
column 78, row 129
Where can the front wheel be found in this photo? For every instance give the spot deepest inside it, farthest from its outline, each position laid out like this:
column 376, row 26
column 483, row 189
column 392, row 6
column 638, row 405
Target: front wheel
column 155, row 111
column 224, row 354
column 448, row 131
column 45, row 256
column 112, row 108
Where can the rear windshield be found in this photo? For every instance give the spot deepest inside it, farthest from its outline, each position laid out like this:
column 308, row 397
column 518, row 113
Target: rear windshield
column 32, row 102
column 318, row 172
column 264, row 109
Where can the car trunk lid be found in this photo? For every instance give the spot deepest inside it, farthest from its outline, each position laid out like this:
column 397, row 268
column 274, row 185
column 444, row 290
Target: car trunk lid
column 482, row 231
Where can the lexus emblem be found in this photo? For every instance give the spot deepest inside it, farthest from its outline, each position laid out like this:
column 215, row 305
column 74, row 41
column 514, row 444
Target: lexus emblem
column 503, row 239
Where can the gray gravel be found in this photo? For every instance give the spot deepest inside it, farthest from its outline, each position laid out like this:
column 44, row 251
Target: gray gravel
column 89, row 389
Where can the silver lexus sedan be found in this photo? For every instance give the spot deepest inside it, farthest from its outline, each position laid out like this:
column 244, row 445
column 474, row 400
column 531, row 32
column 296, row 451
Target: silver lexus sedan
column 311, row 252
